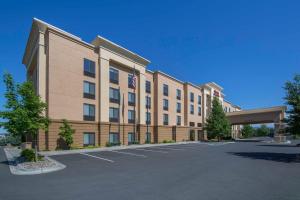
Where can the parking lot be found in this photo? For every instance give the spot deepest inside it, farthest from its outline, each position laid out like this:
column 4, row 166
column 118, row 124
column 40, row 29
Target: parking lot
column 244, row 170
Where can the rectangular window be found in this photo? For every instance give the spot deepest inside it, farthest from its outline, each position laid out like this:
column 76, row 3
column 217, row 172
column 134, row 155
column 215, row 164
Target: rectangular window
column 165, row 104
column 166, row 119
column 114, row 95
column 178, row 120
column 199, row 111
column 148, row 138
column 192, row 97
column 148, row 102
column 89, row 68
column 113, row 114
column 131, row 116
column 192, row 123
column 88, row 139
column 114, row 138
column 113, row 75
column 178, row 107
column 166, row 89
column 148, row 118
column 131, row 138
column 192, row 109
column 178, row 94
column 199, row 99
column 88, row 112
column 199, row 124
column 88, row 90
column 131, row 99
column 148, row 86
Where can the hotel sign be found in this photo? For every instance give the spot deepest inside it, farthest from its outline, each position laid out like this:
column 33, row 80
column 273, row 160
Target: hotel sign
column 216, row 93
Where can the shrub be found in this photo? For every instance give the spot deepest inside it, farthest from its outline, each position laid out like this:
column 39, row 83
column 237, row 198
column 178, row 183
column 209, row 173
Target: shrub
column 28, row 154
column 168, row 141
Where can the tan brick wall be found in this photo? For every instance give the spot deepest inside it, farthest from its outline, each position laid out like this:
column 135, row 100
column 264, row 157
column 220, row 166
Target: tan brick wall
column 182, row 133
column 142, row 133
column 163, row 133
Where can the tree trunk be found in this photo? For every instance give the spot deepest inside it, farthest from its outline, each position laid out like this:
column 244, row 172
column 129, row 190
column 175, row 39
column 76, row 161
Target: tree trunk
column 35, row 149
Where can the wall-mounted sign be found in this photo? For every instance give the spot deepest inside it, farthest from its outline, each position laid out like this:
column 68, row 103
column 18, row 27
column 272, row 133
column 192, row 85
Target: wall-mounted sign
column 216, row 93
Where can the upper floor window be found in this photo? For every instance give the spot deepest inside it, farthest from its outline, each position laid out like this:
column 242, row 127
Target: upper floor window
column 192, row 109
column 148, row 118
column 199, row 111
column 131, row 116
column 165, row 104
column 148, row 86
column 199, row 99
column 89, row 67
column 166, row 119
column 178, row 107
column 88, row 112
column 199, row 124
column 192, row 123
column 114, row 95
column 178, row 120
column 178, row 94
column 113, row 75
column 131, row 99
column 113, row 114
column 148, row 102
column 88, row 90
column 166, row 90
column 192, row 96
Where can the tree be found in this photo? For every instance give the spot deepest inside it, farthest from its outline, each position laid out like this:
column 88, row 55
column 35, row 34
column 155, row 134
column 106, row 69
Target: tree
column 66, row 133
column 247, row 131
column 292, row 99
column 217, row 125
column 263, row 130
column 25, row 111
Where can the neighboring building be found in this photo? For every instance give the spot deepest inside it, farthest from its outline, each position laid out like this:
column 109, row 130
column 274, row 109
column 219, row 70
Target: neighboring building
column 108, row 95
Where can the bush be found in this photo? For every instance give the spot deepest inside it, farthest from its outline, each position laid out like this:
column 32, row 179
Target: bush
column 28, row 154
column 168, row 141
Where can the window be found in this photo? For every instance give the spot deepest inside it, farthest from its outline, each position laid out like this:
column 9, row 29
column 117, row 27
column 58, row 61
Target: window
column 131, row 99
column 199, row 111
column 178, row 107
column 165, row 104
column 113, row 114
column 88, row 90
column 199, row 99
column 178, row 120
column 178, row 94
column 88, row 139
column 166, row 119
column 89, row 68
column 148, row 86
column 114, row 95
column 228, row 109
column 131, row 116
column 113, row 75
column 88, row 112
column 148, row 138
column 114, row 138
column 192, row 123
column 192, row 97
column 131, row 138
column 199, row 124
column 131, row 83
column 166, row 89
column 148, row 102
column 148, row 118
column 192, row 109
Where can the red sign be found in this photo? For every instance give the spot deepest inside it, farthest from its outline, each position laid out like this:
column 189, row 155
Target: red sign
column 216, row 93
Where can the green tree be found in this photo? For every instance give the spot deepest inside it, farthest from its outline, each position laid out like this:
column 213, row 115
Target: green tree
column 66, row 133
column 292, row 99
column 217, row 125
column 25, row 111
column 263, row 130
column 247, row 131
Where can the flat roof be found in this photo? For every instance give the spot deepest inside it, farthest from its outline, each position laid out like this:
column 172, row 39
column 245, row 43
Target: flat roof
column 258, row 110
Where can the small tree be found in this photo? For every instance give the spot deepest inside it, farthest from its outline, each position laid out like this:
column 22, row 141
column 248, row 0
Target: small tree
column 25, row 111
column 292, row 98
column 66, row 133
column 217, row 125
column 263, row 130
column 247, row 131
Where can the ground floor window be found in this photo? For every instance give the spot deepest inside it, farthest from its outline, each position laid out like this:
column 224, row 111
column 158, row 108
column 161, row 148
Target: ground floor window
column 88, row 139
column 130, row 138
column 114, row 138
column 148, row 137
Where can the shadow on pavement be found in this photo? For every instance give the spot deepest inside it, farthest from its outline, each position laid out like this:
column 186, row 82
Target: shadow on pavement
column 277, row 145
column 277, row 157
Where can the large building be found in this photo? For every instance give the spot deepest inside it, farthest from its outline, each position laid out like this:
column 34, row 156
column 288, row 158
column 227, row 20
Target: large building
column 107, row 94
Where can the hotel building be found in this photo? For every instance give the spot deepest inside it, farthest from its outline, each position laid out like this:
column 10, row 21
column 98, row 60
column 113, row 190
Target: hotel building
column 107, row 94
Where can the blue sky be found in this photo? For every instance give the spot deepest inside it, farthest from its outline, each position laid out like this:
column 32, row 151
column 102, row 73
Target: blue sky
column 249, row 47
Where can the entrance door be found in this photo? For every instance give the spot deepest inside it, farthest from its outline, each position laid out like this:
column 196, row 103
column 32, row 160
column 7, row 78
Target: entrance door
column 192, row 135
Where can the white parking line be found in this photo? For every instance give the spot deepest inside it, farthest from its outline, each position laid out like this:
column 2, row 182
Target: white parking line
column 97, row 157
column 151, row 150
column 167, row 148
column 131, row 154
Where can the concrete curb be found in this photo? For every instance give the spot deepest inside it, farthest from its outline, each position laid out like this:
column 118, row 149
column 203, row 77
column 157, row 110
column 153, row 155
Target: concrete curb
column 17, row 170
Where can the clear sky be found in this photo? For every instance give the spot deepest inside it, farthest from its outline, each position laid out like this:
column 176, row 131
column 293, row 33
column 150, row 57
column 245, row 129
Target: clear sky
column 249, row 47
